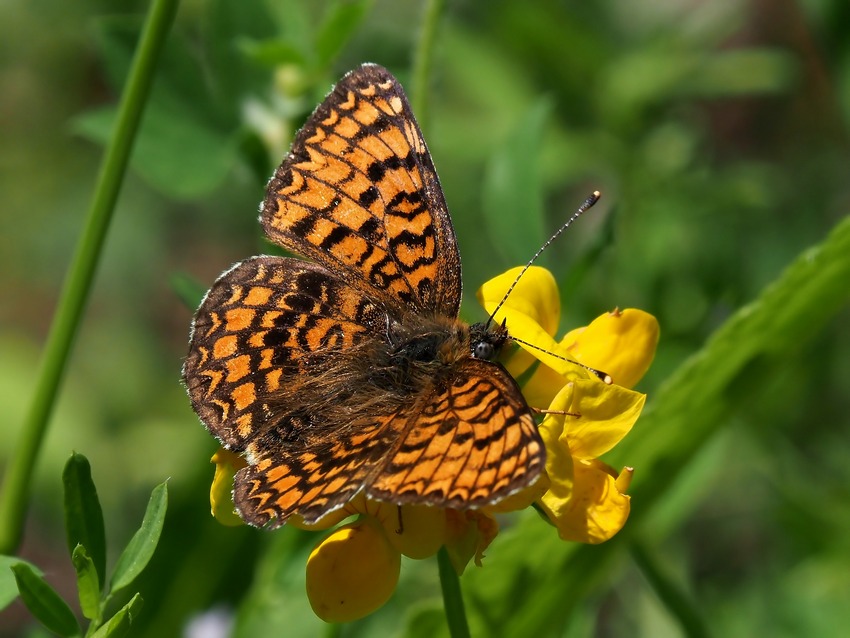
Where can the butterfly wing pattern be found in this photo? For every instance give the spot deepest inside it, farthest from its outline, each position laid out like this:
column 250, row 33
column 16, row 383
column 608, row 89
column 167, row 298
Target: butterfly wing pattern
column 351, row 372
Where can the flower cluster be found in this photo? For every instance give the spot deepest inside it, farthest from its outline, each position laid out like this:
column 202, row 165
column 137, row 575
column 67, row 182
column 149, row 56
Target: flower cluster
column 355, row 569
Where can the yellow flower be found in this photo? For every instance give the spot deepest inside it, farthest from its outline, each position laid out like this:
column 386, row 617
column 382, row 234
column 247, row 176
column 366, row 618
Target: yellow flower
column 586, row 417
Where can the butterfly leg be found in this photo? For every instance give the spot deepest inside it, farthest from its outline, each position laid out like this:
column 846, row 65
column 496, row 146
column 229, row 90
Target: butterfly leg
column 400, row 529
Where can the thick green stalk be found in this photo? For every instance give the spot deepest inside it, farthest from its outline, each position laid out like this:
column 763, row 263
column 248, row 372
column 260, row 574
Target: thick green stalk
column 452, row 597
column 75, row 291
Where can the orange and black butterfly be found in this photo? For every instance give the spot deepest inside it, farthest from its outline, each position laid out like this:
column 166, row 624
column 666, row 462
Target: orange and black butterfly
column 351, row 372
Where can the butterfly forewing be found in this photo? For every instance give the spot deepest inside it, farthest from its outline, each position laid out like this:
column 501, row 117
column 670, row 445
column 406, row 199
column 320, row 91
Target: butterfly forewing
column 353, row 374
column 359, row 193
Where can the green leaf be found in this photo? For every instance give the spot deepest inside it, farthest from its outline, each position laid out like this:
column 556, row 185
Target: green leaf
column 175, row 152
column 120, row 623
column 44, row 603
column 83, row 514
column 340, row 21
column 141, row 547
column 8, row 584
column 226, row 69
column 271, row 52
column 188, row 289
column 671, row 593
column 88, row 583
column 737, row 362
column 513, row 193
column 179, row 80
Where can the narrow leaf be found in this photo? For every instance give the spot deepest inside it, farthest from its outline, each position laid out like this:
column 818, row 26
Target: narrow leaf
column 44, row 603
column 141, row 547
column 120, row 623
column 513, row 192
column 88, row 583
column 8, row 585
column 187, row 289
column 669, row 592
column 83, row 515
column 271, row 52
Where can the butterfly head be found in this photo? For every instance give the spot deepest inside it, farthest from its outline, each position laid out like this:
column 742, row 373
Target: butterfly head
column 486, row 342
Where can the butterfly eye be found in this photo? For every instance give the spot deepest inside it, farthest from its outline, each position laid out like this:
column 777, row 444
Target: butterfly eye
column 483, row 350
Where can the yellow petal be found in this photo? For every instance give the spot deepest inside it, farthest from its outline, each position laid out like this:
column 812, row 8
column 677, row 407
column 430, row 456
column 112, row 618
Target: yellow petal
column 625, row 479
column 620, row 343
column 606, row 414
column 541, row 387
column 531, row 312
column 417, row 531
column 353, row 572
column 596, row 509
column 559, row 461
column 326, row 522
column 543, row 347
column 221, row 491
column 535, row 296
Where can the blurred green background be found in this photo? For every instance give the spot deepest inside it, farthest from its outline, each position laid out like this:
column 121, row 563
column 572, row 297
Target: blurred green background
column 718, row 134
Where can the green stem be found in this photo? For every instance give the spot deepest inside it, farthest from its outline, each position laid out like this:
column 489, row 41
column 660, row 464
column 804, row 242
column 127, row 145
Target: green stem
column 75, row 291
column 422, row 59
column 669, row 593
column 333, row 630
column 452, row 597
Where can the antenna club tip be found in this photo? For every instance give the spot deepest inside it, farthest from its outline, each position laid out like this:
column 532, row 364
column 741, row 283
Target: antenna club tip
column 607, row 380
column 588, row 203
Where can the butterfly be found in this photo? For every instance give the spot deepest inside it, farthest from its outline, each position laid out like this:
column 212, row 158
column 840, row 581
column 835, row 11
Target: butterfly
column 349, row 371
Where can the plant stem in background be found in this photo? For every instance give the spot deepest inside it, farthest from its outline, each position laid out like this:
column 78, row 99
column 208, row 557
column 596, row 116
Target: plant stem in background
column 75, row 291
column 422, row 58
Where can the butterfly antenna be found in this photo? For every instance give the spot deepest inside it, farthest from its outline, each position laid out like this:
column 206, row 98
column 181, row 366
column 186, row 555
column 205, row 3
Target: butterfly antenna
column 603, row 376
column 586, row 205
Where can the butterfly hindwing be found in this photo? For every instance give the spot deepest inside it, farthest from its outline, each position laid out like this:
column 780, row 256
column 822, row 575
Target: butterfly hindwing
column 312, row 478
column 471, row 442
column 251, row 334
